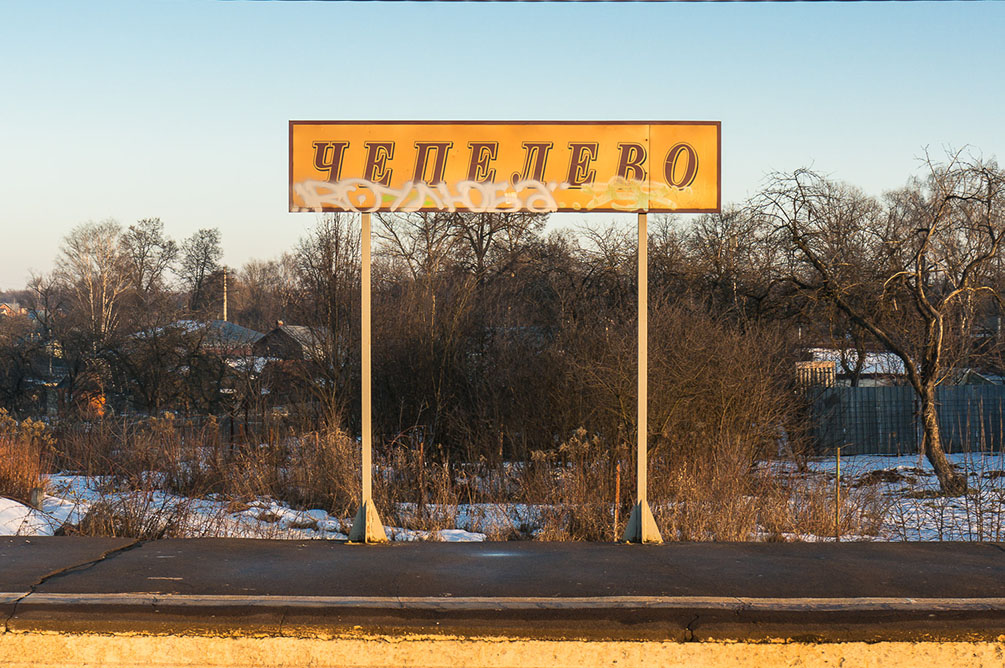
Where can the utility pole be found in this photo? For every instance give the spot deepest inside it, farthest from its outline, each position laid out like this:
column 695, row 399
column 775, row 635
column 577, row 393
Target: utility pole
column 225, row 294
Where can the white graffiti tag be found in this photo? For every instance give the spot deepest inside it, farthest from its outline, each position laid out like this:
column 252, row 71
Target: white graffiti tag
column 625, row 195
column 366, row 196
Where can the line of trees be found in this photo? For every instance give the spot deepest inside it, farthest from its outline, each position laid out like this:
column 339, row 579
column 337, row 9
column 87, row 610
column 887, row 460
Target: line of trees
column 495, row 337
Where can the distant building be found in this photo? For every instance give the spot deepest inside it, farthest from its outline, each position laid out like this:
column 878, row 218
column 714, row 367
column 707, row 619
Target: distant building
column 820, row 373
column 292, row 342
column 229, row 340
column 218, row 336
column 12, row 309
column 877, row 368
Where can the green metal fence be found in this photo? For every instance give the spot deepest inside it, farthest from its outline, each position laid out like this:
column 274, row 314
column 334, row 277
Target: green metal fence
column 885, row 420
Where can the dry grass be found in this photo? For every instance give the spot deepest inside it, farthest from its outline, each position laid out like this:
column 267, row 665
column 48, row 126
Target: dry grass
column 705, row 499
column 21, row 468
column 723, row 496
column 24, row 457
column 318, row 469
column 798, row 505
column 322, row 470
column 569, row 493
column 138, row 515
column 575, row 487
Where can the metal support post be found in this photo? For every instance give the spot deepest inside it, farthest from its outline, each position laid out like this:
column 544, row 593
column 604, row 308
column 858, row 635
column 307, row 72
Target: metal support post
column 641, row 524
column 366, row 527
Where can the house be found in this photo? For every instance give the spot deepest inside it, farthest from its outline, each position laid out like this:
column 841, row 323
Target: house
column 292, row 342
column 12, row 309
column 877, row 369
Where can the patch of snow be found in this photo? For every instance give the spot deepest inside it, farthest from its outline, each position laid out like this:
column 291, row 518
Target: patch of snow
column 17, row 519
column 459, row 536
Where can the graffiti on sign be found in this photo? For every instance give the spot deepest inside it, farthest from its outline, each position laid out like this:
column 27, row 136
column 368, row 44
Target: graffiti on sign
column 504, row 167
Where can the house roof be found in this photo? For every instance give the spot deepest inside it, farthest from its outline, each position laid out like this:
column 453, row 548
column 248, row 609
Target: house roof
column 309, row 341
column 218, row 333
column 876, row 363
column 305, row 336
column 224, row 333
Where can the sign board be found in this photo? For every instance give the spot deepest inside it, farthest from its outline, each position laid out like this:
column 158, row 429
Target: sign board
column 485, row 166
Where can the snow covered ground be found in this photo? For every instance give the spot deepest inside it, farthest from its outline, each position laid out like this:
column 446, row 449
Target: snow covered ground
column 915, row 510
column 905, row 486
column 71, row 497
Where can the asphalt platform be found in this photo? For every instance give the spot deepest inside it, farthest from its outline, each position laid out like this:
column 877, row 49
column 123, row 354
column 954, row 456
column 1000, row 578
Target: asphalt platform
column 674, row 591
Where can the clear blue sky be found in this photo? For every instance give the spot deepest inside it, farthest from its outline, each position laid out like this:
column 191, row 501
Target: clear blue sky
column 179, row 109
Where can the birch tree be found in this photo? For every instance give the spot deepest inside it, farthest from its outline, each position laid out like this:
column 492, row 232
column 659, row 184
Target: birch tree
column 94, row 270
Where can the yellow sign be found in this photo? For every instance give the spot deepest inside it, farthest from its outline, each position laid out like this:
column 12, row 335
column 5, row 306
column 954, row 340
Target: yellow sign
column 504, row 166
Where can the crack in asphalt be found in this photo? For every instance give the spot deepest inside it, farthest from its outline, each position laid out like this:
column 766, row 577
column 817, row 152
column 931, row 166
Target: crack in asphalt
column 690, row 631
column 66, row 569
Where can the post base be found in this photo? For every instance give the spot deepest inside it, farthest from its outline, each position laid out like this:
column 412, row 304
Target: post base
column 642, row 526
column 367, row 527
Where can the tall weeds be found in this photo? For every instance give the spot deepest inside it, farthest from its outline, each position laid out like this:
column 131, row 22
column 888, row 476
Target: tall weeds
column 24, row 457
column 581, row 490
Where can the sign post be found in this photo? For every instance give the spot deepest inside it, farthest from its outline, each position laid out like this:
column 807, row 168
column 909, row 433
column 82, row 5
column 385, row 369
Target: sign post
column 366, row 527
column 505, row 167
column 641, row 523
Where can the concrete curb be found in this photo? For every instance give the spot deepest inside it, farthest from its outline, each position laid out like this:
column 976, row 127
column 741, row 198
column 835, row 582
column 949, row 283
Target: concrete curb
column 480, row 603
column 612, row 618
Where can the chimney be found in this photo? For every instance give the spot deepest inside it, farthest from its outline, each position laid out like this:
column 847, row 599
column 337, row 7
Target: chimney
column 225, row 294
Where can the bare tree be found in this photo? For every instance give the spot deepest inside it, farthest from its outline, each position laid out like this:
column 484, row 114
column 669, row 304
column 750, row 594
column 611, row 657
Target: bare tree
column 422, row 242
column 734, row 261
column 461, row 319
column 149, row 254
column 94, row 270
column 492, row 238
column 201, row 254
column 422, row 314
column 326, row 270
column 46, row 301
column 261, row 292
column 153, row 367
column 907, row 271
column 18, row 349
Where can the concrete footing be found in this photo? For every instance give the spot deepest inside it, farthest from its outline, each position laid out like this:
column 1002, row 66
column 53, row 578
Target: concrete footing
column 367, row 526
column 642, row 526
